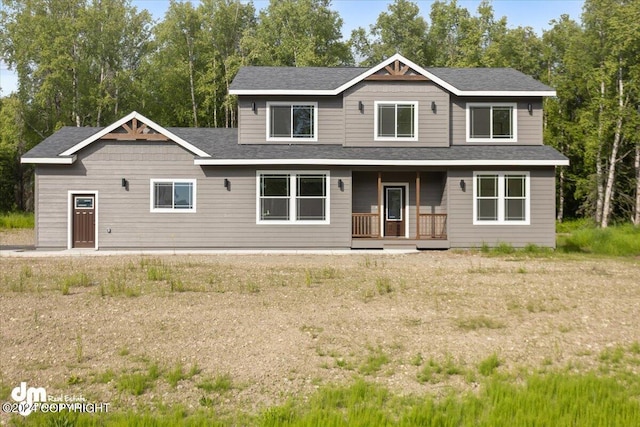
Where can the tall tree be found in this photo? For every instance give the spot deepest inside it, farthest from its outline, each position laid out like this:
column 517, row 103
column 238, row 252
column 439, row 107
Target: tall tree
column 399, row 30
column 297, row 33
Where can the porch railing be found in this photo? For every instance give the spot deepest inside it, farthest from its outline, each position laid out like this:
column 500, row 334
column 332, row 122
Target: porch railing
column 433, row 226
column 365, row 225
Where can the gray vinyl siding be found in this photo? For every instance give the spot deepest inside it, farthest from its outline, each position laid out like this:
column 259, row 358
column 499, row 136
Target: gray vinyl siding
column 433, row 193
column 529, row 125
column 223, row 219
column 433, row 127
column 541, row 231
column 252, row 127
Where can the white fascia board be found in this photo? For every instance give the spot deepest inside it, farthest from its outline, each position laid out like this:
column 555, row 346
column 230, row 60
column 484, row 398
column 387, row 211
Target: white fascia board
column 361, row 162
column 49, row 160
column 510, row 93
column 146, row 121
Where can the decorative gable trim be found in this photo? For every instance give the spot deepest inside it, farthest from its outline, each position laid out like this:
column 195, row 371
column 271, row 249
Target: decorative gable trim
column 397, row 71
column 136, row 127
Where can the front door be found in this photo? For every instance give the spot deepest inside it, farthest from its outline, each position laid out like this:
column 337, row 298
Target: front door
column 394, row 203
column 84, row 221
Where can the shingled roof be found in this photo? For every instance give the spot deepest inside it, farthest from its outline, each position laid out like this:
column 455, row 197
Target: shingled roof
column 222, row 145
column 334, row 80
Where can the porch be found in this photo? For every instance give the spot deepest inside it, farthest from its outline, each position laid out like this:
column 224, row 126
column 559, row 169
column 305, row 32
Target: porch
column 397, row 209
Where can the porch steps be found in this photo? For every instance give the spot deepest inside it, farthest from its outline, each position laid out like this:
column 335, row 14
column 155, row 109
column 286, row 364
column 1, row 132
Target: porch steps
column 372, row 243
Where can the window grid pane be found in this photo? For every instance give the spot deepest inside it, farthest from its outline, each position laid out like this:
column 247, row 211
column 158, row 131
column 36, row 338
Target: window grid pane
column 502, row 122
column 311, row 197
column 387, row 121
column 163, row 195
column 302, row 121
column 487, row 203
column 405, row 121
column 280, row 121
column 515, row 198
column 480, row 120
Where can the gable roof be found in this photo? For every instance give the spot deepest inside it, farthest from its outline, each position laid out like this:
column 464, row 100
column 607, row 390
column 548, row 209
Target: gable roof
column 335, row 80
column 62, row 146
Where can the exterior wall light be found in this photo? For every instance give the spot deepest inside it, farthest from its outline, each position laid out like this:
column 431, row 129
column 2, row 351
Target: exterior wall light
column 341, row 185
column 530, row 108
column 254, row 107
column 227, row 184
column 361, row 106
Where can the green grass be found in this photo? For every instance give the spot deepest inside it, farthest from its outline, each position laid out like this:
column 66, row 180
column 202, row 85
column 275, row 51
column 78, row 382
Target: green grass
column 559, row 399
column 16, row 220
column 621, row 240
column 478, row 322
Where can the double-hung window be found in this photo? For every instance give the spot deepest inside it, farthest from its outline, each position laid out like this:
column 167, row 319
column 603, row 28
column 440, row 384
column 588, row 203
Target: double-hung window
column 293, row 197
column 492, row 122
column 501, row 198
column 173, row 195
column 396, row 121
column 288, row 121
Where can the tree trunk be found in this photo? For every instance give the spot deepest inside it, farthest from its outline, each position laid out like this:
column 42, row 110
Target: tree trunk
column 599, row 182
column 636, row 164
column 191, row 82
column 607, row 207
column 560, row 214
column 100, row 85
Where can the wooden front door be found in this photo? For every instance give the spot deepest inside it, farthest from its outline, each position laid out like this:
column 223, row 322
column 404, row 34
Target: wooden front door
column 84, row 221
column 394, row 207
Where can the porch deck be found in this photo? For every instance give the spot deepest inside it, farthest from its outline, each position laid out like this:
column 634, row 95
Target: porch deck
column 431, row 233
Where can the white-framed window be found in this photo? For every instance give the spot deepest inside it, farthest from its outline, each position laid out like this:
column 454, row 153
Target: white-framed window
column 501, row 198
column 292, row 121
column 396, row 120
column 492, row 122
column 173, row 195
column 292, row 197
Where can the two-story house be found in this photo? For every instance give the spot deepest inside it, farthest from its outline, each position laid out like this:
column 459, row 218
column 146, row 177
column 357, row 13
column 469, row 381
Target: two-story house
column 395, row 155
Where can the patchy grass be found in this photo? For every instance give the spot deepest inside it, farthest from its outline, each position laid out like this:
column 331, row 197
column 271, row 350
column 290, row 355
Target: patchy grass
column 621, row 240
column 479, row 322
column 16, row 220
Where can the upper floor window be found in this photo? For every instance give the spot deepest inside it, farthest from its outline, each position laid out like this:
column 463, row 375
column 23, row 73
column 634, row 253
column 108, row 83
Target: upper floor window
column 288, row 121
column 492, row 122
column 501, row 198
column 172, row 195
column 396, row 121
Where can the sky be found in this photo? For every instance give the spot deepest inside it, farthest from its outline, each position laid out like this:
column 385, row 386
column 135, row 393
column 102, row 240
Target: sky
column 362, row 13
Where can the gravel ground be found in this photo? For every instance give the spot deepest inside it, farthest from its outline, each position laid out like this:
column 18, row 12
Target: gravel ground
column 283, row 325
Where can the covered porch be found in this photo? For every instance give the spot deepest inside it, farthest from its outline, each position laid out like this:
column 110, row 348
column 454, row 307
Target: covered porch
column 399, row 209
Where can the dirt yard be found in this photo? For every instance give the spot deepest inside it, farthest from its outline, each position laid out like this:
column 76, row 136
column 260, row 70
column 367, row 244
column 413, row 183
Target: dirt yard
column 274, row 326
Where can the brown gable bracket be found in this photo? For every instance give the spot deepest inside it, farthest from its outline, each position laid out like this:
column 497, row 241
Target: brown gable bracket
column 133, row 132
column 397, row 71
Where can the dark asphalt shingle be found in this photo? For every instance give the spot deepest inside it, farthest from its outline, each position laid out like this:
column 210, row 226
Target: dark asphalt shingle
column 222, row 143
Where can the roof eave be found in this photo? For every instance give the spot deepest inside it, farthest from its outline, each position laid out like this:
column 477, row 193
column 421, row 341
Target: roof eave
column 373, row 162
column 66, row 160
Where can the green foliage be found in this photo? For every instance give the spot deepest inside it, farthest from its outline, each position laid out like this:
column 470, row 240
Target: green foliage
column 623, row 240
column 219, row 384
column 16, row 220
column 488, row 366
column 478, row 322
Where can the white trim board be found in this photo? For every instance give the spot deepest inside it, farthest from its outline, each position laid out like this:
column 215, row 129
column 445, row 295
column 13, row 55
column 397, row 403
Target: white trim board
column 365, row 162
column 49, row 160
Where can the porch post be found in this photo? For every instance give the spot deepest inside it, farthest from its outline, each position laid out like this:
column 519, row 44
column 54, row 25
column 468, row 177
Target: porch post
column 380, row 204
column 418, row 205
